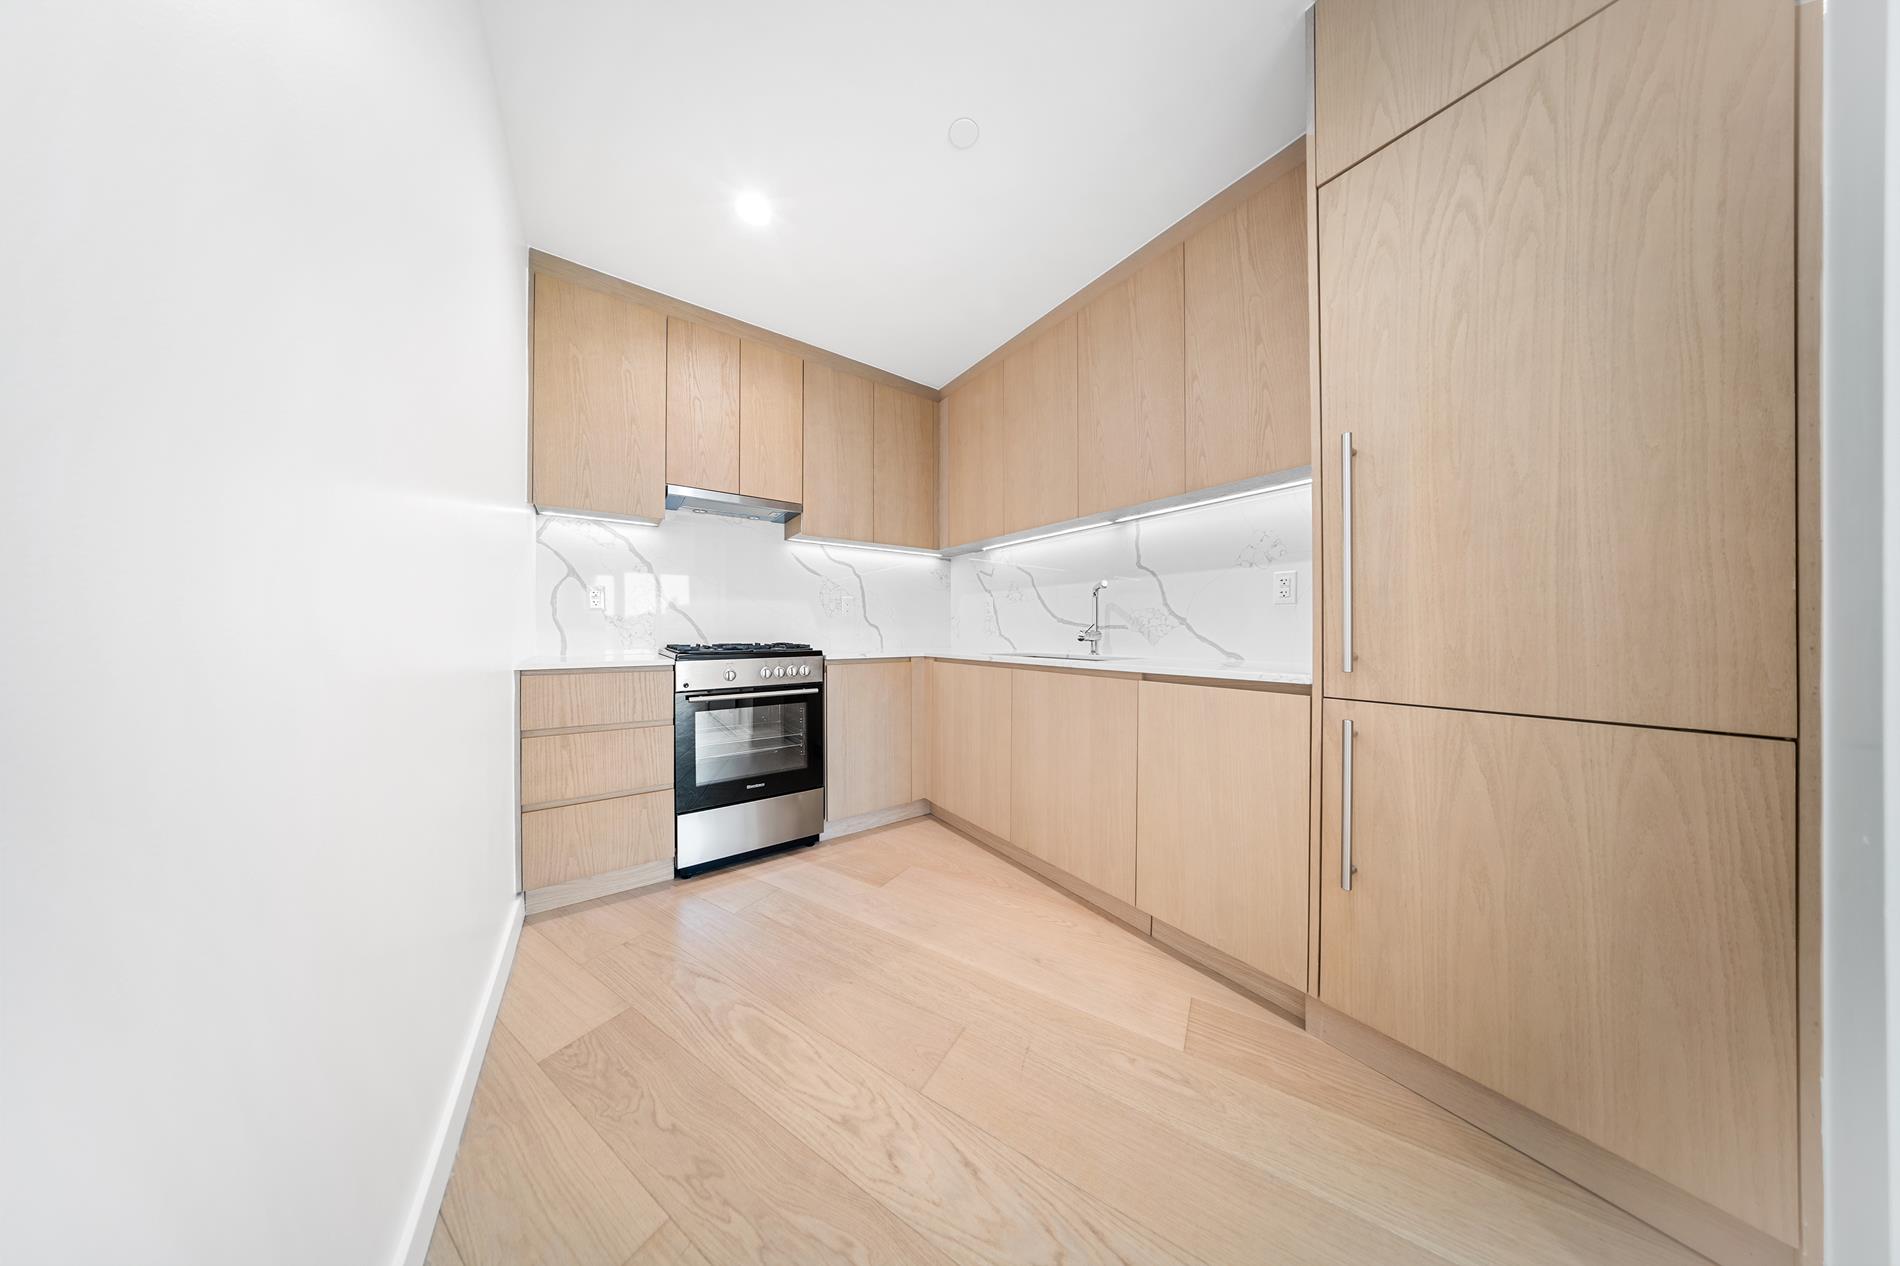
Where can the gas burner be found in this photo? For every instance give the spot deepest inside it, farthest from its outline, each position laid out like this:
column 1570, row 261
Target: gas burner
column 734, row 650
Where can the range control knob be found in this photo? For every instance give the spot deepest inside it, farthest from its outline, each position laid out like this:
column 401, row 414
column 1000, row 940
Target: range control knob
column 779, row 671
column 731, row 675
column 764, row 673
column 804, row 670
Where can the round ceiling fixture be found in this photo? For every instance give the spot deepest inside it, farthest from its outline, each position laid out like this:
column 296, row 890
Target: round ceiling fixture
column 964, row 132
column 752, row 207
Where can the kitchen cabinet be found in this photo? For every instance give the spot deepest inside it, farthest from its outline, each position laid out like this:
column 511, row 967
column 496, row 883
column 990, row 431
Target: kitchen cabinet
column 599, row 403
column 974, row 488
column 1131, row 389
column 595, row 763
column 552, row 701
column 1039, row 430
column 867, row 737
column 1595, row 921
column 771, row 423
column 1249, row 402
column 838, row 463
column 1383, row 66
column 970, row 717
column 1222, row 843
column 702, row 406
column 1072, row 797
column 1558, row 322
column 577, row 842
column 904, row 468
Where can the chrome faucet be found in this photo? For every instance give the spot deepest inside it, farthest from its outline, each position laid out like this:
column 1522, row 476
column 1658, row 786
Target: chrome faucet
column 1093, row 633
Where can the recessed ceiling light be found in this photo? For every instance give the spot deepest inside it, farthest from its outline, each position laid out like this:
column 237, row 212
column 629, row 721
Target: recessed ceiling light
column 964, row 132
column 752, row 207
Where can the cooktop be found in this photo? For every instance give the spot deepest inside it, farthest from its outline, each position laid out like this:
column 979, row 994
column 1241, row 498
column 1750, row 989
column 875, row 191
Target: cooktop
column 734, row 650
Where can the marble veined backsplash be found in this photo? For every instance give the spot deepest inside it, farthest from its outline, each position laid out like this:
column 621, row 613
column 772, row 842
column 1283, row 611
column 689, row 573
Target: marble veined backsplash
column 1195, row 586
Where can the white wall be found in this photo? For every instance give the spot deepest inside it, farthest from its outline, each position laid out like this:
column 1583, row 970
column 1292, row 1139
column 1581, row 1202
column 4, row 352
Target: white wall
column 262, row 381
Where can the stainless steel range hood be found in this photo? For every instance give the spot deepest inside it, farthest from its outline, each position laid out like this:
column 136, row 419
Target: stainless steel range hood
column 730, row 504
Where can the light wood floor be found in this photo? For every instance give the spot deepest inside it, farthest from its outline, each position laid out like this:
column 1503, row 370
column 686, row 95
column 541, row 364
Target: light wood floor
column 900, row 1048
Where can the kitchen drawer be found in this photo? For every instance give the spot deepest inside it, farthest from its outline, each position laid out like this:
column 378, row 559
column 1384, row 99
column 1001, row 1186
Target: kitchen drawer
column 578, row 841
column 555, row 701
column 557, row 767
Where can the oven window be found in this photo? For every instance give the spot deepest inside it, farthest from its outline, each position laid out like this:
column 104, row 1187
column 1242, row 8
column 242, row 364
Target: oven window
column 746, row 741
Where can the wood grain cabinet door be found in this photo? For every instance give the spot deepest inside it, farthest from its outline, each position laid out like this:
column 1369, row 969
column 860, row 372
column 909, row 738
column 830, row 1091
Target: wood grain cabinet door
column 1249, row 402
column 867, row 738
column 1558, row 323
column 1596, row 921
column 1039, row 430
column 1131, row 389
column 1072, row 802
column 974, row 488
column 771, row 423
column 599, row 402
column 838, row 486
column 1382, row 66
column 1222, row 840
column 702, row 406
column 970, row 743
column 904, row 469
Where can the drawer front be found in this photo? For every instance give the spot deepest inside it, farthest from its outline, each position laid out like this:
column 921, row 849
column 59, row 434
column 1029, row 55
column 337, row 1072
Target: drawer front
column 554, row 701
column 1595, row 921
column 578, row 841
column 556, row 767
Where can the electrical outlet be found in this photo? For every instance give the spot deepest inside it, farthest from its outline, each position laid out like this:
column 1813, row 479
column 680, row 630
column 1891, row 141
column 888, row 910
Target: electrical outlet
column 597, row 599
column 1286, row 587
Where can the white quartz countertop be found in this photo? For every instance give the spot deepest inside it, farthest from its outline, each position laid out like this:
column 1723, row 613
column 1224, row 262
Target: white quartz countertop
column 1200, row 669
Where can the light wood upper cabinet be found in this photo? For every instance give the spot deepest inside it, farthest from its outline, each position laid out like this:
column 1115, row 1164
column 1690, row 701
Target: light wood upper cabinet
column 771, row 422
column 1131, row 389
column 1222, row 840
column 867, row 738
column 974, row 489
column 1595, row 921
column 904, row 469
column 838, row 447
column 970, row 744
column 1249, row 405
column 599, row 419
column 1558, row 320
column 1072, row 799
column 1039, row 430
column 702, row 406
column 1382, row 66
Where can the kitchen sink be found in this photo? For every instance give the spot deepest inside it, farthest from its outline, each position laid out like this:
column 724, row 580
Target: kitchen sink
column 1077, row 659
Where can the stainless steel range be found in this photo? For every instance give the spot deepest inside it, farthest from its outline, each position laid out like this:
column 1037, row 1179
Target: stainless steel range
column 748, row 750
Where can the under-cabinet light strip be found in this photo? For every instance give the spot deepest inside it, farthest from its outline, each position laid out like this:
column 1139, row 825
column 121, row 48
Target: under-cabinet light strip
column 909, row 551
column 1302, row 482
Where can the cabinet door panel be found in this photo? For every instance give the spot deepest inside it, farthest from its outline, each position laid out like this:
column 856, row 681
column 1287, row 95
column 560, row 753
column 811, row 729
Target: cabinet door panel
column 582, row 840
column 599, row 402
column 867, row 738
column 771, row 423
column 838, row 486
column 1039, row 427
column 975, row 485
column 1558, row 322
column 702, row 406
column 1595, row 921
column 904, row 475
column 1382, row 66
column 1249, row 403
column 1222, row 842
column 970, row 747
column 1072, row 803
column 1131, row 389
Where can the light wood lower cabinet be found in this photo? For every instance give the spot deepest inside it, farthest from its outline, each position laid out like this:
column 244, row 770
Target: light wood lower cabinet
column 1222, row 846
column 556, row 767
column 1594, row 921
column 553, row 701
column 867, row 738
column 1072, row 796
column 970, row 743
column 578, row 841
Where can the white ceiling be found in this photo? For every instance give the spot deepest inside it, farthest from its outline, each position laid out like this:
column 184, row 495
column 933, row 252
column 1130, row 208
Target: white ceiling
column 633, row 124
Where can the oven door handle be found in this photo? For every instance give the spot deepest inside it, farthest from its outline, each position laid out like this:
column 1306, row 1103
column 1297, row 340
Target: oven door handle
column 756, row 694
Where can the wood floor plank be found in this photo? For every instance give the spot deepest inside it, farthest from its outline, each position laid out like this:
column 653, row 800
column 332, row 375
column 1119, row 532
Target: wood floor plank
column 533, row 1185
column 1195, row 1195
column 594, row 927
column 441, row 1247
column 973, row 1198
column 550, row 999
column 726, row 1172
column 667, row 1246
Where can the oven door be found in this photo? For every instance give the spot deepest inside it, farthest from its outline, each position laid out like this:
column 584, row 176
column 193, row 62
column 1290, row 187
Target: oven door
column 738, row 745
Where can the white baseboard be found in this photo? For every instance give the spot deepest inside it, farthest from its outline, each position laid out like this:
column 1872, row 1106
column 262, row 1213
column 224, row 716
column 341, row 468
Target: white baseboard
column 462, row 1094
